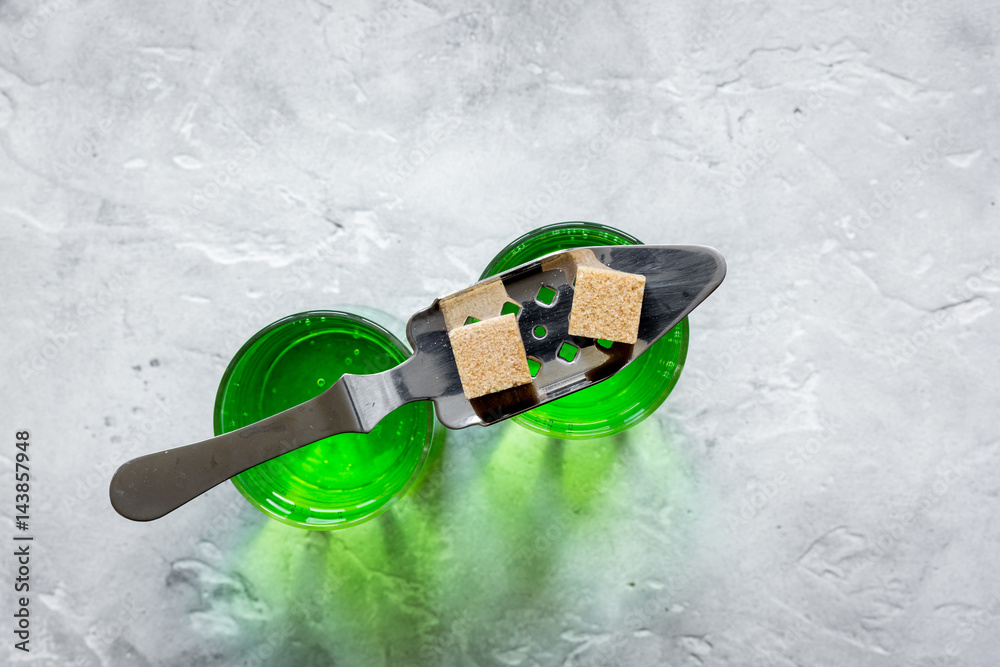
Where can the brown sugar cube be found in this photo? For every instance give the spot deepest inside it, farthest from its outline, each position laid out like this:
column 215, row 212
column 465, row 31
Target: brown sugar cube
column 490, row 356
column 606, row 304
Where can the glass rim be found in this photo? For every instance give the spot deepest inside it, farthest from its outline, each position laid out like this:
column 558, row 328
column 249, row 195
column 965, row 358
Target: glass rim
column 386, row 337
column 279, row 323
column 533, row 234
column 637, row 411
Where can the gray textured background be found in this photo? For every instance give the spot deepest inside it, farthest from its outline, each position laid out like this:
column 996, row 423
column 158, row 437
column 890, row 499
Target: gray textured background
column 820, row 489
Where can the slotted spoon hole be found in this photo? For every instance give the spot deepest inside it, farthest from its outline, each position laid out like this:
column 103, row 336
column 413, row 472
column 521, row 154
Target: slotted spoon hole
column 534, row 365
column 546, row 295
column 539, row 332
column 510, row 308
column 567, row 352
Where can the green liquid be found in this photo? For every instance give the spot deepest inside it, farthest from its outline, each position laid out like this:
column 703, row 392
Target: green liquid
column 633, row 393
column 341, row 480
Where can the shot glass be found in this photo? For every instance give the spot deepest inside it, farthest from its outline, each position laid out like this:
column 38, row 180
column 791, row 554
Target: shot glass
column 632, row 394
column 342, row 480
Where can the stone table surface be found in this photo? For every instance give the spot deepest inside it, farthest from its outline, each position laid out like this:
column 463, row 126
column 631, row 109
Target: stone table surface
column 822, row 486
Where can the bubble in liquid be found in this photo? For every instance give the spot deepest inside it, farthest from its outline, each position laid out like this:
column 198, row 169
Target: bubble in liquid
column 348, row 360
column 321, row 382
column 357, row 352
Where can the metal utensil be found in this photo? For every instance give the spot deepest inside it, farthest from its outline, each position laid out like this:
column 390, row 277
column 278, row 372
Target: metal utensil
column 678, row 278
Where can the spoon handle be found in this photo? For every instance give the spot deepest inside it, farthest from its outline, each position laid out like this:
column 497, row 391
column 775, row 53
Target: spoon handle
column 151, row 486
